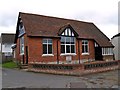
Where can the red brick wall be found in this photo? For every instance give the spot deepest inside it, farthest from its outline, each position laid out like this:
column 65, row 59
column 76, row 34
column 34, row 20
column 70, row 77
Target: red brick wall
column 35, row 50
column 17, row 50
column 91, row 50
column 107, row 57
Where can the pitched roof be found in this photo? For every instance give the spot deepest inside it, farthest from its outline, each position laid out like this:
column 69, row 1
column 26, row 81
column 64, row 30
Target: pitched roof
column 7, row 38
column 39, row 25
column 117, row 35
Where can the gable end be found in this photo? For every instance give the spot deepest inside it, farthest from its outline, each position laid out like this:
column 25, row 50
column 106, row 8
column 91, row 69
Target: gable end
column 67, row 30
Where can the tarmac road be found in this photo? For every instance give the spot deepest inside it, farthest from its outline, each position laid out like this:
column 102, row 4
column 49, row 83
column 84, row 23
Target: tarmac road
column 12, row 78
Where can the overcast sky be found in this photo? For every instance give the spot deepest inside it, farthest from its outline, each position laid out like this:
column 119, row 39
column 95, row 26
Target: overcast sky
column 103, row 13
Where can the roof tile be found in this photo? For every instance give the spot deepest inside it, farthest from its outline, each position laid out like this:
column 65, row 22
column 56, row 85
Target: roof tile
column 39, row 25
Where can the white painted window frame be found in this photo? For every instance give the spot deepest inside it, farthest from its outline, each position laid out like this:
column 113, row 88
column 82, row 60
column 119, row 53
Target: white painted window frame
column 47, row 47
column 70, row 47
column 107, row 51
column 68, row 33
column 83, row 44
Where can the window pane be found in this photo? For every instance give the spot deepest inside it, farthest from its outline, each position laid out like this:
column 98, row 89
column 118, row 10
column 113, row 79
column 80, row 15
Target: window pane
column 83, row 49
column 72, row 34
column 22, row 49
column 62, row 40
column 44, row 40
column 22, row 45
column 44, row 48
column 72, row 40
column 21, row 29
column 67, row 48
column 72, row 48
column 67, row 40
column 65, row 32
column 22, row 40
column 49, row 41
column 86, row 42
column 86, row 48
column 62, row 48
column 68, row 32
column 49, row 49
column 105, row 50
column 82, row 42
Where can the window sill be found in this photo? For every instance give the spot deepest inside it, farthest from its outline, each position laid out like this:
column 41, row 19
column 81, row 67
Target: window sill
column 107, row 54
column 47, row 55
column 69, row 54
column 85, row 53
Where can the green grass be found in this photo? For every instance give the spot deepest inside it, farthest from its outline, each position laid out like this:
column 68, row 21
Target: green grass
column 9, row 65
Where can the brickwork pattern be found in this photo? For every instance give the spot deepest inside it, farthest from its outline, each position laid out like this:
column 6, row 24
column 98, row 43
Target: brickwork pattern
column 77, row 69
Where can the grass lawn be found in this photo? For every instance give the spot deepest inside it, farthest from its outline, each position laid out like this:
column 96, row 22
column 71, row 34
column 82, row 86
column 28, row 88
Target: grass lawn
column 9, row 65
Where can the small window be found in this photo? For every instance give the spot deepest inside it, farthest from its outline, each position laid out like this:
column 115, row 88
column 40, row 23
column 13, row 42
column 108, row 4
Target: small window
column 85, row 46
column 107, row 51
column 47, row 46
column 22, row 45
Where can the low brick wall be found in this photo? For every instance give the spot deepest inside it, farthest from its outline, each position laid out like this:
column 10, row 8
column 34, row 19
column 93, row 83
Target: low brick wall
column 75, row 69
column 99, row 64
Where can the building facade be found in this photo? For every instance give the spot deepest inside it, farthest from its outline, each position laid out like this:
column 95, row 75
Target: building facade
column 7, row 40
column 45, row 39
column 116, row 42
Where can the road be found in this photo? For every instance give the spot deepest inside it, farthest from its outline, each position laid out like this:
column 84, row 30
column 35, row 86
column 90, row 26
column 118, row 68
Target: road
column 12, row 78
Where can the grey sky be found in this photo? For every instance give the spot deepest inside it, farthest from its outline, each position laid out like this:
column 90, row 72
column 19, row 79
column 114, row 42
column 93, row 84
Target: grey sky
column 103, row 13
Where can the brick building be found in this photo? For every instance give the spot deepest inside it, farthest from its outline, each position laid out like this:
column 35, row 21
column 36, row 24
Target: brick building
column 116, row 42
column 45, row 39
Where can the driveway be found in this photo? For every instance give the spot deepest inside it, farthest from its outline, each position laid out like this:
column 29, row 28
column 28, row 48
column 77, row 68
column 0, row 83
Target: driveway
column 12, row 78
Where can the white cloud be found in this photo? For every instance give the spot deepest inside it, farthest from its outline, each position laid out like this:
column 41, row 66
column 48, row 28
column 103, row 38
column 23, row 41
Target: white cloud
column 110, row 30
column 101, row 12
column 10, row 29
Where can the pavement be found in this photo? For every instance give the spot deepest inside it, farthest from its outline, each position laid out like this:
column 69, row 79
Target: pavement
column 13, row 78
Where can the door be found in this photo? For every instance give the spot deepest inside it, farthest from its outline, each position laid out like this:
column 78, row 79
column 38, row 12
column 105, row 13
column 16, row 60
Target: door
column 26, row 49
column 23, row 61
column 98, row 53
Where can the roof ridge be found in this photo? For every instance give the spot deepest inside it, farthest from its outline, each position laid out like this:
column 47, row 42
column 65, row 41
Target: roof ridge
column 56, row 17
column 116, row 35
